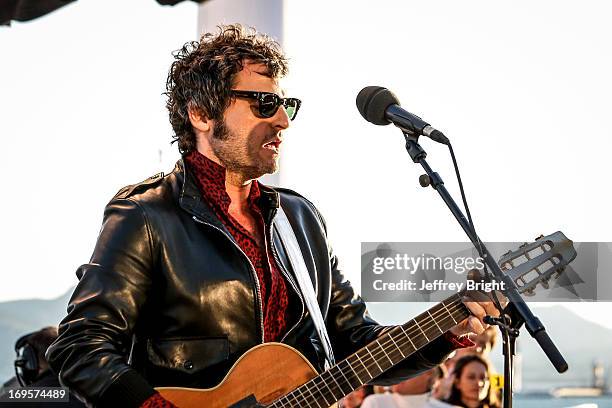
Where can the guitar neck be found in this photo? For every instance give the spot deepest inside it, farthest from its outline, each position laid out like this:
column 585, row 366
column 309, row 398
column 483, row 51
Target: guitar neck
column 378, row 356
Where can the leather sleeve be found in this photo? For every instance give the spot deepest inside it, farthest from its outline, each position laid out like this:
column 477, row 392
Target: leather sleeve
column 90, row 354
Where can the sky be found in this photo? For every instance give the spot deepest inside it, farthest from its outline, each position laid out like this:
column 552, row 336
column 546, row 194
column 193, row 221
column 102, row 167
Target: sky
column 521, row 88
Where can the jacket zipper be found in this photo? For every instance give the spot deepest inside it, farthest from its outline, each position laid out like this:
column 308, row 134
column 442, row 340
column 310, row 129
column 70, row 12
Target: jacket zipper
column 253, row 273
column 289, row 279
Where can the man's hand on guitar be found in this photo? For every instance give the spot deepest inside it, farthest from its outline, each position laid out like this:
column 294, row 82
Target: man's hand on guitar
column 480, row 305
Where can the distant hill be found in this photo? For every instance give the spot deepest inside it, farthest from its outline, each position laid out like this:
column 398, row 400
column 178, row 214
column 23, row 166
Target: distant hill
column 579, row 340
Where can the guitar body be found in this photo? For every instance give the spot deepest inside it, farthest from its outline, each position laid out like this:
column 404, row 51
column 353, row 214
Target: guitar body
column 267, row 371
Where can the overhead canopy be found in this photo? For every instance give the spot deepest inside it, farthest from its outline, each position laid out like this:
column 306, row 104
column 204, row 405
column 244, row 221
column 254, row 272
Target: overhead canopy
column 26, row 10
column 174, row 2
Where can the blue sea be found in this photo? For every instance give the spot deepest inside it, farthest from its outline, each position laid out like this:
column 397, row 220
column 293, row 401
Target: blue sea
column 544, row 401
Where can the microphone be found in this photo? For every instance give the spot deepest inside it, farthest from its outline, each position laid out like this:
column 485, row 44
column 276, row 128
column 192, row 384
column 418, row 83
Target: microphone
column 380, row 106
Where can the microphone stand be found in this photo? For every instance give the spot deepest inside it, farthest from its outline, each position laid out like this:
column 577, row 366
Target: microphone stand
column 517, row 312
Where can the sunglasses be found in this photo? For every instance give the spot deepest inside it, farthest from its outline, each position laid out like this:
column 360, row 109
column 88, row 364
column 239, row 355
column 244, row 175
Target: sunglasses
column 268, row 103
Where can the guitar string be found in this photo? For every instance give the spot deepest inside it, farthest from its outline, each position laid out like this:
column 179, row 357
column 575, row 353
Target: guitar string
column 388, row 343
column 408, row 332
column 454, row 306
column 446, row 310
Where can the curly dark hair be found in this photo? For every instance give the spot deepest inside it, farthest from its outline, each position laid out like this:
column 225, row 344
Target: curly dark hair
column 203, row 74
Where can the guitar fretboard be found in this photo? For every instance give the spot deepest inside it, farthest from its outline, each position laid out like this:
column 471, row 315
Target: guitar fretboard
column 378, row 356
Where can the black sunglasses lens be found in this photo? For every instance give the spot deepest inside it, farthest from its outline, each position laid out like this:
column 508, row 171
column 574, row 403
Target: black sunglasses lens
column 268, row 105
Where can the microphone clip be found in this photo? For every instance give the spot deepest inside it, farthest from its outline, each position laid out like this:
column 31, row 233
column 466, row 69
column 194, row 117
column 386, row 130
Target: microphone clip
column 413, row 148
column 501, row 322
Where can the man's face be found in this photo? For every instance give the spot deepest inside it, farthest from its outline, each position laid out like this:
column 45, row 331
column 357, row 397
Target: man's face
column 244, row 142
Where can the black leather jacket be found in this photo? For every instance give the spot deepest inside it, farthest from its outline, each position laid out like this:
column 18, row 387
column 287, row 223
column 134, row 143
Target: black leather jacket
column 169, row 298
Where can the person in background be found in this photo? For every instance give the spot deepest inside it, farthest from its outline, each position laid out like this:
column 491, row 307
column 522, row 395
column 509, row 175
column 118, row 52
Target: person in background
column 355, row 398
column 483, row 344
column 31, row 366
column 471, row 387
column 32, row 369
column 412, row 393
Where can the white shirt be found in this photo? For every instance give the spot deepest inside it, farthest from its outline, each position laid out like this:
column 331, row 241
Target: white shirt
column 436, row 403
column 395, row 400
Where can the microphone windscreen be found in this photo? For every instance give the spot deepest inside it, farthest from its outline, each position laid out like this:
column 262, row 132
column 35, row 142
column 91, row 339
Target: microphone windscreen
column 372, row 103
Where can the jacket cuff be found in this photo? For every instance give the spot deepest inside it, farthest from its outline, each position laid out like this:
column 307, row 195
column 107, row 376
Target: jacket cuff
column 157, row 401
column 128, row 390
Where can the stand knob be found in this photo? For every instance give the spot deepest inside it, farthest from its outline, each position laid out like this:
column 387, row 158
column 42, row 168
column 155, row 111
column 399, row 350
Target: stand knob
column 424, row 180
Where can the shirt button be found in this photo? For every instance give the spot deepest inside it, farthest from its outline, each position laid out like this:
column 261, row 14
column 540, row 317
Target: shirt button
column 188, row 364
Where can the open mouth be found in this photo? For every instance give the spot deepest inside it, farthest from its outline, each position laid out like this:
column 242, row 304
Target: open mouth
column 273, row 145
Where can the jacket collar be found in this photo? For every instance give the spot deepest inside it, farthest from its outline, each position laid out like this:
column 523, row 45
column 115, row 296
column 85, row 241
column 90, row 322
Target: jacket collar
column 191, row 200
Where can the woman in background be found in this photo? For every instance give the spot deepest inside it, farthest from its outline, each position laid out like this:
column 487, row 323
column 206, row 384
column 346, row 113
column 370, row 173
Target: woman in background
column 471, row 387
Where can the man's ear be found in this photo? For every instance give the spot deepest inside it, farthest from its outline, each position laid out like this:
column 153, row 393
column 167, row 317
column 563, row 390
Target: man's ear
column 199, row 121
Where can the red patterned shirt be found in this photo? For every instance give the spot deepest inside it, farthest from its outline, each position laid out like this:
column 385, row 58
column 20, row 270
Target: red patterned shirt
column 210, row 179
column 157, row 401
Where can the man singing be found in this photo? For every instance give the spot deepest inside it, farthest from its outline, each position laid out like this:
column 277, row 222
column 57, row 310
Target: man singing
column 189, row 272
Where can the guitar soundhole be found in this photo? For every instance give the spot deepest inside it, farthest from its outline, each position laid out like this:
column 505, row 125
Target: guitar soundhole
column 248, row 402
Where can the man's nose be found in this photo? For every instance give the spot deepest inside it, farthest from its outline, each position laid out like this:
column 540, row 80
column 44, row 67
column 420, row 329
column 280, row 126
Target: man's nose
column 281, row 118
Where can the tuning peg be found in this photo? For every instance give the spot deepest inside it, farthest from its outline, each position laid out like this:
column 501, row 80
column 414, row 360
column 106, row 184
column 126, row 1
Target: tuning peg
column 475, row 275
column 523, row 245
column 545, row 284
column 530, row 292
column 540, row 237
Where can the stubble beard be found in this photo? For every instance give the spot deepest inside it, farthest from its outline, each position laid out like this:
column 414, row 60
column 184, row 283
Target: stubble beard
column 237, row 157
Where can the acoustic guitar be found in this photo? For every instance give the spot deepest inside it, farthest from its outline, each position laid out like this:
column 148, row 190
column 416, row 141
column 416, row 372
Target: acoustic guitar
column 276, row 375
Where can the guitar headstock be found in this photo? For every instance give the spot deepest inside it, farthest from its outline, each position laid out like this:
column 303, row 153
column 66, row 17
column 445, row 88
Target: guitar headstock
column 538, row 262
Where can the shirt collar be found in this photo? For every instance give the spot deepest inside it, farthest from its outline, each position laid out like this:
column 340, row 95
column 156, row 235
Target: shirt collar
column 210, row 177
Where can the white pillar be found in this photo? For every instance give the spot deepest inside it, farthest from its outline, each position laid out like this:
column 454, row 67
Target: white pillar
column 265, row 15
